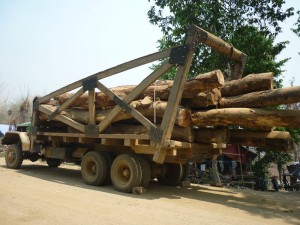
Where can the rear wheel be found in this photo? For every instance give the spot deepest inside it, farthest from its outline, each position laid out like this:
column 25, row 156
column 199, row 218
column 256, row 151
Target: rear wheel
column 53, row 163
column 14, row 157
column 146, row 171
column 126, row 172
column 172, row 174
column 94, row 169
column 109, row 159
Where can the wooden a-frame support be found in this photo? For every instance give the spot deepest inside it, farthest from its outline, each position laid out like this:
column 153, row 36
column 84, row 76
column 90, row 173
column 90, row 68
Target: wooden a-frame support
column 181, row 56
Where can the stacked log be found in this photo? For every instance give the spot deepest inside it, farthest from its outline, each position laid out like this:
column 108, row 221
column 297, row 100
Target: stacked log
column 209, row 109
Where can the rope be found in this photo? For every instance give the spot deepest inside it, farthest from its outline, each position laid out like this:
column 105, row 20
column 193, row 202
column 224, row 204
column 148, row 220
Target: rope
column 154, row 103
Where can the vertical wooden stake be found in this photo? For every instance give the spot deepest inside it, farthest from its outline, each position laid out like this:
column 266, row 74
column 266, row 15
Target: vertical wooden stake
column 175, row 97
column 92, row 108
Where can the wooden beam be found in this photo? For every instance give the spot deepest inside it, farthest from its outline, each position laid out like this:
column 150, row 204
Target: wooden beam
column 135, row 92
column 92, row 108
column 66, row 104
column 109, row 72
column 174, row 99
column 129, row 109
column 224, row 48
column 115, row 136
column 63, row 119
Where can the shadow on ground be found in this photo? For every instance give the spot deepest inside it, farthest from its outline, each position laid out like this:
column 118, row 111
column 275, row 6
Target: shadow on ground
column 284, row 205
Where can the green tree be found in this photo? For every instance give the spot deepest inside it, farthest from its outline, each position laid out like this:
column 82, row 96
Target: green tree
column 228, row 19
column 297, row 25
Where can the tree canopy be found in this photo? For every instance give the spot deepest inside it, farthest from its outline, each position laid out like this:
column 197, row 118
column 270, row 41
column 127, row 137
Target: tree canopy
column 250, row 25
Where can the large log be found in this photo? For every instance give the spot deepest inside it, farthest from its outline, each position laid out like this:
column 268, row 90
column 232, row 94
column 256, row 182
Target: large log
column 203, row 99
column 247, row 117
column 192, row 87
column 145, row 106
column 263, row 98
column 179, row 133
column 248, row 84
column 212, row 135
column 277, row 140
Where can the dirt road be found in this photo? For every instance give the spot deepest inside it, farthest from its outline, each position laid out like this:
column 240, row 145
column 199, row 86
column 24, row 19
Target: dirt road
column 37, row 194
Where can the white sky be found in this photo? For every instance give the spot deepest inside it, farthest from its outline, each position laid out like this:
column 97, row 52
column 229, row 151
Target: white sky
column 45, row 45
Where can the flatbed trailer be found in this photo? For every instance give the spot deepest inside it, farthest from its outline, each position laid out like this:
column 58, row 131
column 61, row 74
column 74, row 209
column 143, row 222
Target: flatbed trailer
column 127, row 160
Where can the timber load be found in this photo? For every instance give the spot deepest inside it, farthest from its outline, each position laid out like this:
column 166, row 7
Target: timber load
column 197, row 116
column 209, row 112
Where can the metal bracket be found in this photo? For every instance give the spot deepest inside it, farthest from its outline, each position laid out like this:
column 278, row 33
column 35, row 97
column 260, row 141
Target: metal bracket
column 155, row 134
column 89, row 84
column 122, row 104
column 91, row 130
column 54, row 114
column 35, row 105
column 178, row 55
column 33, row 130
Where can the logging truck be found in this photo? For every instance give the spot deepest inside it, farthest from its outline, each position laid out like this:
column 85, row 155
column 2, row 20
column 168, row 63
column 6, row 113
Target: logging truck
column 131, row 135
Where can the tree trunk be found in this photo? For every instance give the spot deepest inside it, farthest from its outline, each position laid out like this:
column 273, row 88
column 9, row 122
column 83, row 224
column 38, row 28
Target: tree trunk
column 248, row 84
column 203, row 99
column 212, row 135
column 277, row 140
column 263, row 98
column 179, row 133
column 146, row 107
column 162, row 90
column 247, row 117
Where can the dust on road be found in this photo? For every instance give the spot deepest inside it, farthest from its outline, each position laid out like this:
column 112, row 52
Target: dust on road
column 37, row 194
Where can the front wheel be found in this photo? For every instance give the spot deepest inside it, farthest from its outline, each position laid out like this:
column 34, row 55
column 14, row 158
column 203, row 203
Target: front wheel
column 14, row 157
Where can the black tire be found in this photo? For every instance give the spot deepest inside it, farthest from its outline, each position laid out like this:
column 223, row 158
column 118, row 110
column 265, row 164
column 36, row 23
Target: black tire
column 172, row 174
column 146, row 171
column 53, row 163
column 14, row 157
column 109, row 159
column 126, row 173
column 185, row 171
column 94, row 170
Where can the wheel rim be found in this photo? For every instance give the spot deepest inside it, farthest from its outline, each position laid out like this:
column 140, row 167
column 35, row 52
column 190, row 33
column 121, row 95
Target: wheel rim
column 91, row 169
column 11, row 156
column 124, row 173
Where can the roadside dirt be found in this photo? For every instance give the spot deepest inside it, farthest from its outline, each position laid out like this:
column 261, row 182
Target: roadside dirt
column 37, row 194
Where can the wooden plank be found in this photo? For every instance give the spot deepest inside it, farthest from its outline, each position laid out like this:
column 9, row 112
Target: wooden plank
column 166, row 66
column 112, row 141
column 174, row 99
column 92, row 108
column 116, row 136
column 63, row 119
column 109, row 72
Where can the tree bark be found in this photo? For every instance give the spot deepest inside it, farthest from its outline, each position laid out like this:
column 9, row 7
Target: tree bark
column 212, row 135
column 248, row 84
column 277, row 140
column 192, row 88
column 247, row 117
column 263, row 98
column 179, row 133
column 146, row 107
column 203, row 99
